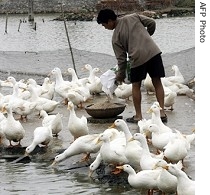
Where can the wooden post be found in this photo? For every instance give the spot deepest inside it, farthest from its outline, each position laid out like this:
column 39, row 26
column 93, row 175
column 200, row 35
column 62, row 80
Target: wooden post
column 19, row 25
column 6, row 23
column 30, row 10
column 67, row 35
column 34, row 26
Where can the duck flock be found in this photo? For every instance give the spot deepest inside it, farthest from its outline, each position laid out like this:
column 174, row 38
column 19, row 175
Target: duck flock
column 160, row 169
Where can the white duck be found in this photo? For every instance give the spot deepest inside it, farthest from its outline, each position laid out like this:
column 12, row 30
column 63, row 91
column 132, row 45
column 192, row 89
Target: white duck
column 123, row 91
column 160, row 139
column 150, row 88
column 74, row 77
column 147, row 83
column 184, row 89
column 49, row 87
column 145, row 179
column 23, row 94
column 169, row 98
column 81, row 84
column 77, row 126
column 166, row 82
column 133, row 148
column 95, row 164
column 83, row 144
column 170, row 93
column 167, row 182
column 173, row 87
column 11, row 128
column 5, row 84
column 94, row 85
column 54, row 120
column 147, row 159
column 42, row 136
column 176, row 149
column 41, row 102
column 185, row 186
column 12, row 80
column 188, row 138
column 178, row 77
column 113, row 134
column 143, row 141
column 76, row 98
column 4, row 98
column 155, row 119
column 37, row 88
column 112, row 152
column 2, row 119
column 62, row 87
column 83, row 89
column 143, row 128
column 19, row 105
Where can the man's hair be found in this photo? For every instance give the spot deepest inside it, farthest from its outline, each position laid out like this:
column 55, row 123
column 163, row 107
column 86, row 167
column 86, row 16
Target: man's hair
column 106, row 14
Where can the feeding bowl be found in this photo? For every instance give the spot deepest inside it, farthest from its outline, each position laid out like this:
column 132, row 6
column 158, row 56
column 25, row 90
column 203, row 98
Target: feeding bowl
column 105, row 110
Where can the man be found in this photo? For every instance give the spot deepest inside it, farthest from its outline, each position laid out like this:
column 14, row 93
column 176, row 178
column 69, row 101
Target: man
column 132, row 38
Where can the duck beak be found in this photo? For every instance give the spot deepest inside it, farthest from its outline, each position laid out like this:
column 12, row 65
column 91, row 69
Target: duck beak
column 149, row 111
column 165, row 167
column 112, row 126
column 84, row 68
column 66, row 72
column 26, row 154
column 53, row 164
column 119, row 167
column 3, row 109
column 131, row 139
column 98, row 141
column 69, row 107
column 90, row 173
column 50, row 74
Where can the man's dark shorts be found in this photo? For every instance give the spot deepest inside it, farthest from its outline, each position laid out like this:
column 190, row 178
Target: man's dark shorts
column 154, row 67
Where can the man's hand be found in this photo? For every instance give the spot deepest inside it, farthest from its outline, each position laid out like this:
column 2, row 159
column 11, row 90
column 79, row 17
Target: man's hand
column 120, row 77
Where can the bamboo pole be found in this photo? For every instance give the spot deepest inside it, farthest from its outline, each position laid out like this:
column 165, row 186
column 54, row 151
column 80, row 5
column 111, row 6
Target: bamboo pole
column 19, row 25
column 34, row 26
column 67, row 35
column 30, row 11
column 6, row 23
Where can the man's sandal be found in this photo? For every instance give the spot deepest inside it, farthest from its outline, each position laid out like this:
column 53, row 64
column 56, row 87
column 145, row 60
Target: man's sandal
column 164, row 119
column 132, row 120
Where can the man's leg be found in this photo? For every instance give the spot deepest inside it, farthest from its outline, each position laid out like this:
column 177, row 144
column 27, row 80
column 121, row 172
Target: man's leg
column 159, row 91
column 136, row 93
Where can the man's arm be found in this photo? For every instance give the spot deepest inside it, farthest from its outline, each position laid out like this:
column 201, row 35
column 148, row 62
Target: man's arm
column 149, row 23
column 121, row 57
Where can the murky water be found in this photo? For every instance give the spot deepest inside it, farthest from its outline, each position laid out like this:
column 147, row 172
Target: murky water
column 37, row 177
column 172, row 35
column 42, row 180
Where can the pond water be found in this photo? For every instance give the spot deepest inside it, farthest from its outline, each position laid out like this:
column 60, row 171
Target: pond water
column 172, row 34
